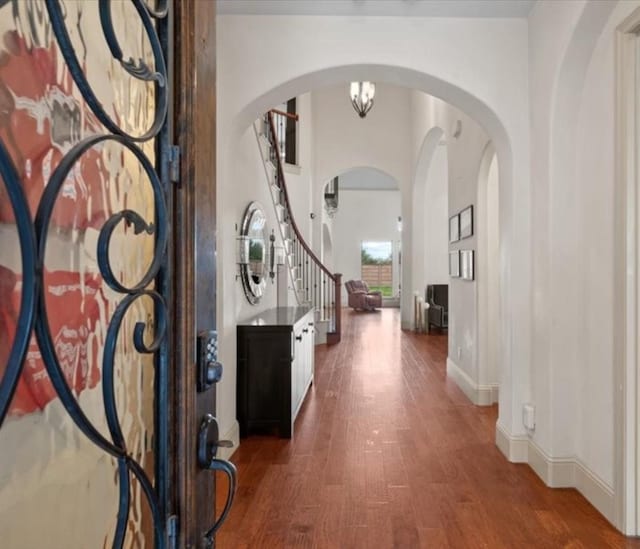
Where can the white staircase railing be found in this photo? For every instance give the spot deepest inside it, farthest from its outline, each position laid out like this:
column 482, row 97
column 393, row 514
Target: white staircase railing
column 311, row 282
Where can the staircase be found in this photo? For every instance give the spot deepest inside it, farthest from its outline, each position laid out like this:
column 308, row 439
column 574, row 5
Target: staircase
column 310, row 282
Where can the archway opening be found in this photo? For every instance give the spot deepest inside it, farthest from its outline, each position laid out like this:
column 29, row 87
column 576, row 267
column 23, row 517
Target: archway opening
column 481, row 114
column 366, row 231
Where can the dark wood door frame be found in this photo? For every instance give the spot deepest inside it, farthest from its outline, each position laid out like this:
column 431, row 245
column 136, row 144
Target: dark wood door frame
column 194, row 121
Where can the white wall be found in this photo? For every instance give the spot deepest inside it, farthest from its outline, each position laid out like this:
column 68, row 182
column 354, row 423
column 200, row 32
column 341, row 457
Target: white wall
column 572, row 85
column 433, row 122
column 436, row 211
column 343, row 141
column 464, row 158
column 493, row 276
column 487, row 224
column 363, row 216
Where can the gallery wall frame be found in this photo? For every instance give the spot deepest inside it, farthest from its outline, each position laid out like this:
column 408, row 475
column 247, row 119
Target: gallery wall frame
column 466, row 222
column 454, row 264
column 454, row 228
column 467, row 271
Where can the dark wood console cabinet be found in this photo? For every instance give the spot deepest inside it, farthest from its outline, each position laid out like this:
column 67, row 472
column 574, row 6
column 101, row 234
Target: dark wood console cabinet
column 275, row 369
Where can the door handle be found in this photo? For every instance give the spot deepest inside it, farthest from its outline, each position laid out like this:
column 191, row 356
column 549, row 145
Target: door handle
column 230, row 470
column 208, row 444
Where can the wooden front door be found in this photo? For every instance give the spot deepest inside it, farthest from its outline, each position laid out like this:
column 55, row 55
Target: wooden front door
column 106, row 274
column 195, row 128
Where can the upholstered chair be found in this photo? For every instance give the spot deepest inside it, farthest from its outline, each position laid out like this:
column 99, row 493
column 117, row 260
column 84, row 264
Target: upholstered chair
column 438, row 300
column 360, row 297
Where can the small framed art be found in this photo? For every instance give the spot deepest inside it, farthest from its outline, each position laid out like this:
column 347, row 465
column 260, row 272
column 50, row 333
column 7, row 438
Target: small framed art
column 466, row 264
column 454, row 264
column 466, row 222
column 454, row 228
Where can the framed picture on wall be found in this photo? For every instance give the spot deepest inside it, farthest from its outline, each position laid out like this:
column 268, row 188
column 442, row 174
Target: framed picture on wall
column 454, row 264
column 466, row 264
column 466, row 222
column 454, row 228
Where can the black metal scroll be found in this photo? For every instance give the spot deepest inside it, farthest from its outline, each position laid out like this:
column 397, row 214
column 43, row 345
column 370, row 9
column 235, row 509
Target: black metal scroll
column 33, row 314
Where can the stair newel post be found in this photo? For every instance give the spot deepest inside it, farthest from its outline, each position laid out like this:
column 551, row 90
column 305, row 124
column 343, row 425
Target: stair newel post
column 332, row 304
column 338, row 304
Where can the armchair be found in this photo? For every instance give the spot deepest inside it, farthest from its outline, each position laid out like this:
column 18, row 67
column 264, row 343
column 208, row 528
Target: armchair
column 438, row 299
column 360, row 297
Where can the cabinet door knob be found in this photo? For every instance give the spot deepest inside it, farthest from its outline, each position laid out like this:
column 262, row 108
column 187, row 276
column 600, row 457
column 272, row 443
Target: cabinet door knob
column 305, row 330
column 298, row 338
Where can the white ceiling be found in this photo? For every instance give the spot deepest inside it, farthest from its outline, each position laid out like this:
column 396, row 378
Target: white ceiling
column 415, row 8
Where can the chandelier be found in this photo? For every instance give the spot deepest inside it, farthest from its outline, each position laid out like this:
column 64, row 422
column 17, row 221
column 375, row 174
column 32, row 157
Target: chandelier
column 362, row 97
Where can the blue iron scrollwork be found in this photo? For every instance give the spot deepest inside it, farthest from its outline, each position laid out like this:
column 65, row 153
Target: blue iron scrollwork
column 43, row 332
column 33, row 315
column 26, row 316
column 140, row 70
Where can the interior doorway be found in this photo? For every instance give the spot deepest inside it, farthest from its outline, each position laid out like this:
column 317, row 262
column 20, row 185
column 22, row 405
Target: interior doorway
column 365, row 231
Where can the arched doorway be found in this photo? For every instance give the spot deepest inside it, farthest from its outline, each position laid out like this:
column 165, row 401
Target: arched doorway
column 366, row 231
column 511, row 263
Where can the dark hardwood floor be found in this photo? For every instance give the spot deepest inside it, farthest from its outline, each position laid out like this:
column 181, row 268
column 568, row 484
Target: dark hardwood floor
column 388, row 453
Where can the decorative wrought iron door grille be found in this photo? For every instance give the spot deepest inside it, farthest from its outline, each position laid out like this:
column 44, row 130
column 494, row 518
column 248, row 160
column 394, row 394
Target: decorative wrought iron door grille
column 84, row 232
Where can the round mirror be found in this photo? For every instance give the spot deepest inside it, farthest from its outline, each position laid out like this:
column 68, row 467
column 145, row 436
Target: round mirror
column 253, row 267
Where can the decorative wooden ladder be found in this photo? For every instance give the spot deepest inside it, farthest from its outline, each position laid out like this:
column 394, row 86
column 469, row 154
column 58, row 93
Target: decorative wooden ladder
column 311, row 282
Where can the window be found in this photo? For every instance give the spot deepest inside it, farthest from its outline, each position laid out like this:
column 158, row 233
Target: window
column 286, row 130
column 290, row 146
column 376, row 266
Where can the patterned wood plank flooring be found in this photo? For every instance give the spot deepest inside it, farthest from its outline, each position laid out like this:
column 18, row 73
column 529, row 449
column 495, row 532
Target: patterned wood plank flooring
column 388, row 453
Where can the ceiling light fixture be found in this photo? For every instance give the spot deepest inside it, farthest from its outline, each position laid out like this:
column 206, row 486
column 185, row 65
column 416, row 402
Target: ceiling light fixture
column 362, row 97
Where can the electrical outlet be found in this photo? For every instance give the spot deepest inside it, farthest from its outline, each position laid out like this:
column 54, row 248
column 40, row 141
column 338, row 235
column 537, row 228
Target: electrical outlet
column 529, row 416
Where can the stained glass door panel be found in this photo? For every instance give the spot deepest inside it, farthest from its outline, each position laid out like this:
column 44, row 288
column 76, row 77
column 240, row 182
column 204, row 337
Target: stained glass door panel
column 83, row 237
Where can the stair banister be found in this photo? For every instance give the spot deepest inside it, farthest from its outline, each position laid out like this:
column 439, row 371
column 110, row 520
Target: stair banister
column 325, row 299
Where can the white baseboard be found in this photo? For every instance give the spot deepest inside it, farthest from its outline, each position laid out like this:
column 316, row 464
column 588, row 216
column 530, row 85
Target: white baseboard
column 592, row 487
column 564, row 472
column 480, row 395
column 321, row 332
column 555, row 472
column 494, row 388
column 233, row 434
column 514, row 448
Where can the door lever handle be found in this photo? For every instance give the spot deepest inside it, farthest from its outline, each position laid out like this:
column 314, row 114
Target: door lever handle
column 208, row 445
column 208, row 442
column 230, row 470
